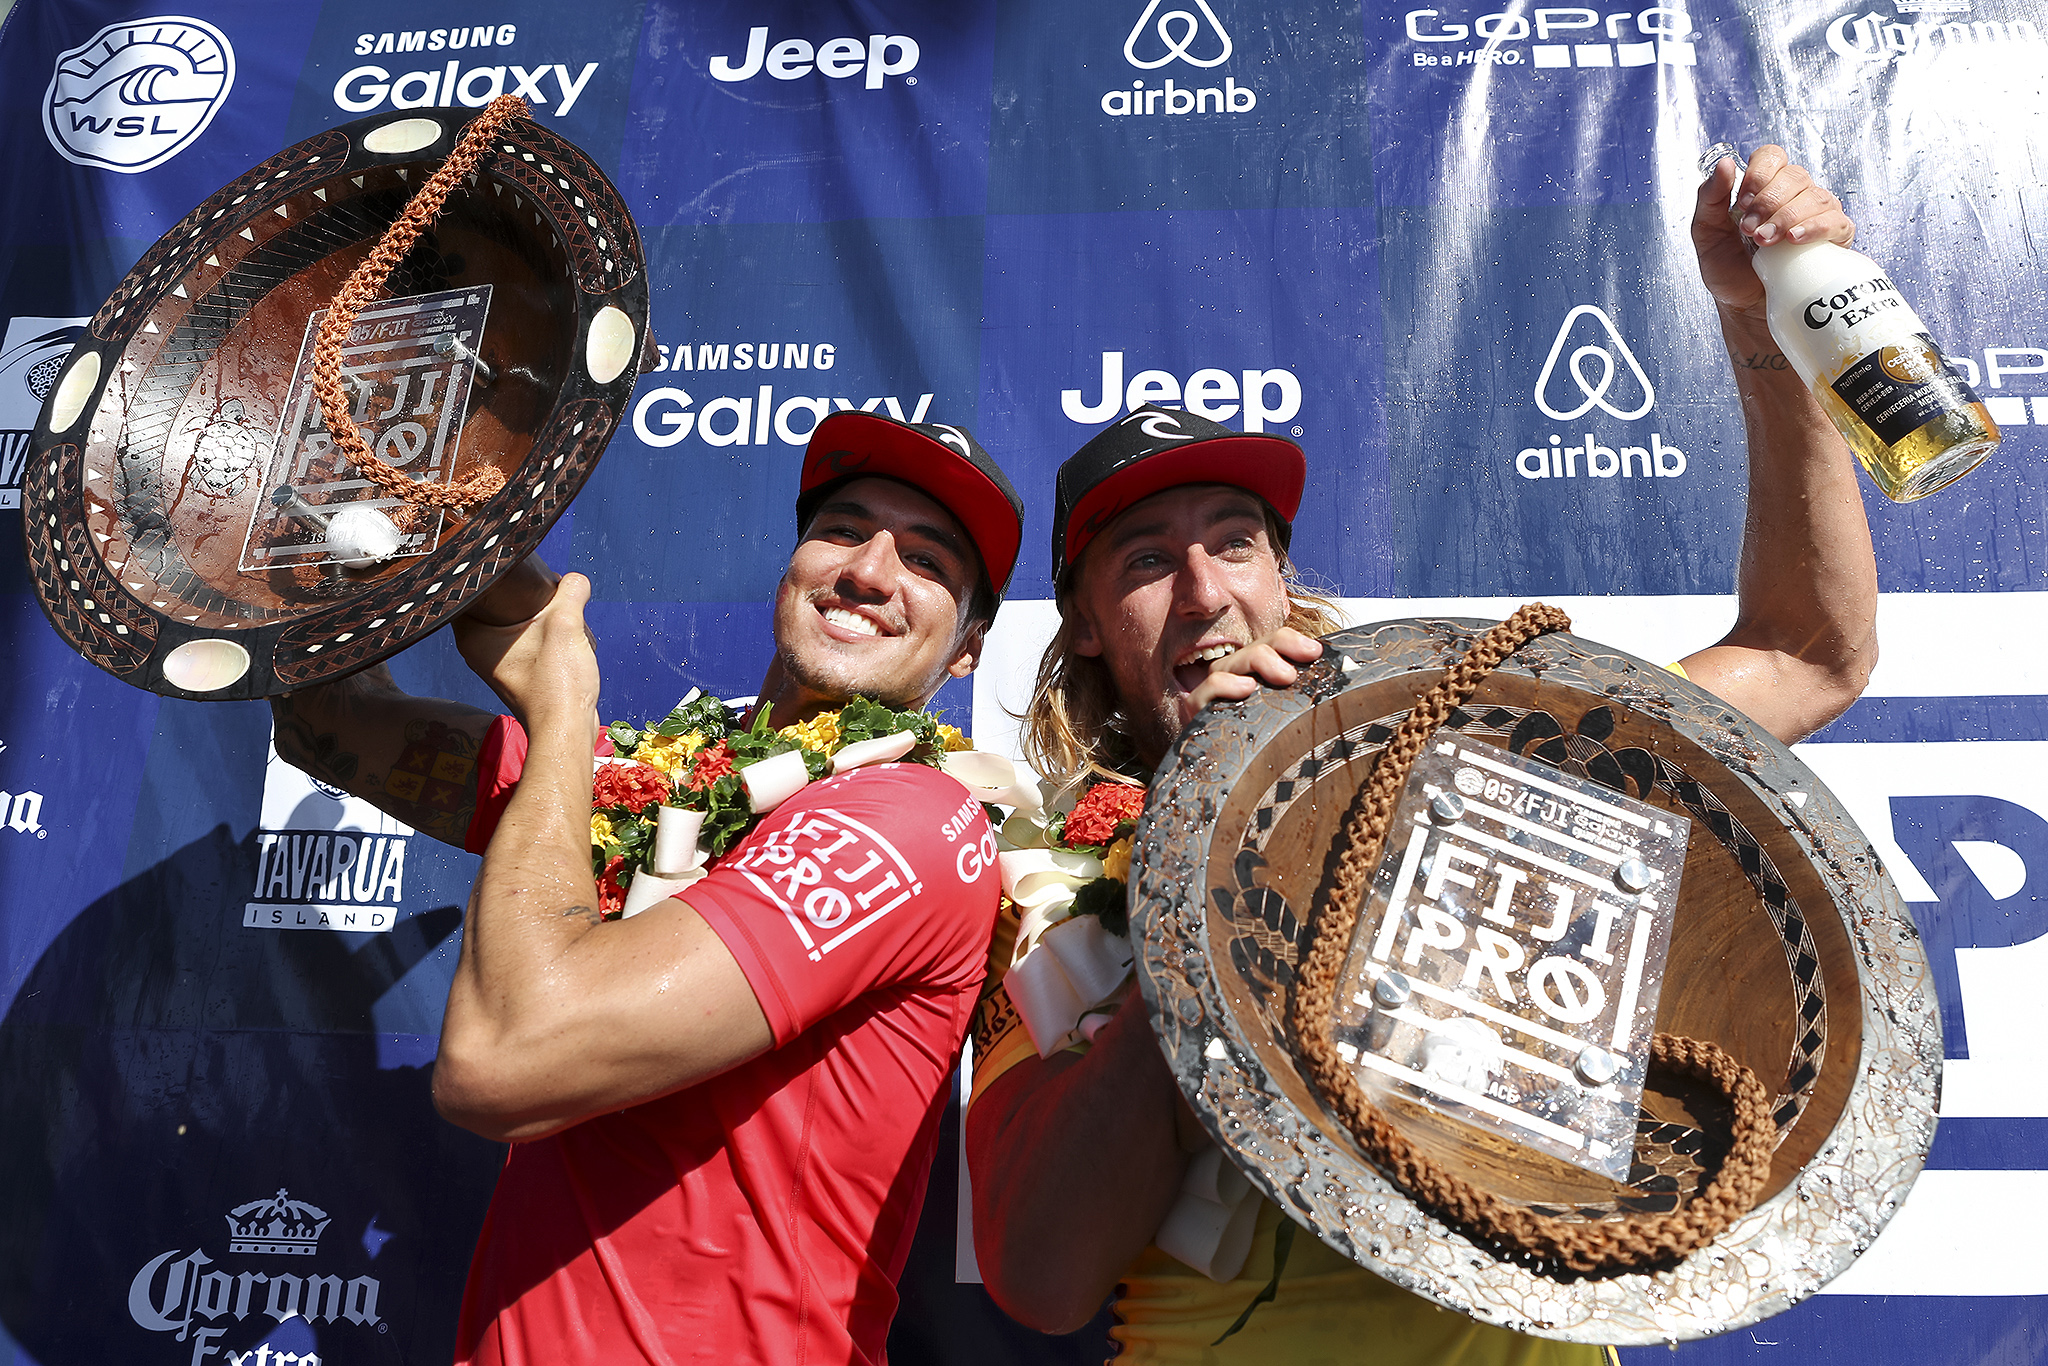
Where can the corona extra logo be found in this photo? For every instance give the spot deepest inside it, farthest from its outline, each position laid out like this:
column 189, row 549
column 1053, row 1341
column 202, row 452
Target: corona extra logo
column 1879, row 39
column 175, row 1292
column 136, row 94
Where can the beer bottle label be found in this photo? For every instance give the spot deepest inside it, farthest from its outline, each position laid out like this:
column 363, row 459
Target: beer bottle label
column 1899, row 389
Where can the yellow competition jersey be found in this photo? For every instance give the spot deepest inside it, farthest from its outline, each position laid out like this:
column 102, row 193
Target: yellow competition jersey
column 1328, row 1309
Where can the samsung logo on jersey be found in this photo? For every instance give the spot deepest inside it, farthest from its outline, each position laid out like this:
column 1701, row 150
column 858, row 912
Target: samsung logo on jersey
column 876, row 59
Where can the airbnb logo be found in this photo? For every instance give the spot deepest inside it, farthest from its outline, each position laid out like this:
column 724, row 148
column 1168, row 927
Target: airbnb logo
column 1595, row 388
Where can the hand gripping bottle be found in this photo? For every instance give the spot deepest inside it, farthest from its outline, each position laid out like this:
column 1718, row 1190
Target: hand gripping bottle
column 1909, row 417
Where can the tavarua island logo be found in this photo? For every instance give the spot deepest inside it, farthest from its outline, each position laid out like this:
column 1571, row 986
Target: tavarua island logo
column 136, row 94
column 1591, row 366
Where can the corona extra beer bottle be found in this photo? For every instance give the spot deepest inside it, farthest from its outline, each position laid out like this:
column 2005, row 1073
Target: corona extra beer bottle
column 1911, row 420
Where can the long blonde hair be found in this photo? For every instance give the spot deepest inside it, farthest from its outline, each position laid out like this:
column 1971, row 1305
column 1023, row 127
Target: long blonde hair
column 1074, row 726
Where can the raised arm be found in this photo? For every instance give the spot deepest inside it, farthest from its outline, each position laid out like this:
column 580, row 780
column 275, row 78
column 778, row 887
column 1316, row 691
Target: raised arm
column 1805, row 634
column 555, row 1015
column 411, row 757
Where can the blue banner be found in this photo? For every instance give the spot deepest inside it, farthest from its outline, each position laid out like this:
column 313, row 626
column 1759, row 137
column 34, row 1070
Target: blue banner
column 1444, row 248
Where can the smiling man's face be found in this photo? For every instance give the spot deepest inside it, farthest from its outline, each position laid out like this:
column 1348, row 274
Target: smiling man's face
column 875, row 602
column 1175, row 582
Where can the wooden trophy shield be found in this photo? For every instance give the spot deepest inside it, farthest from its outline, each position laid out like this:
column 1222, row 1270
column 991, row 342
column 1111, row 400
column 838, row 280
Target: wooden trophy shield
column 181, row 486
column 1789, row 948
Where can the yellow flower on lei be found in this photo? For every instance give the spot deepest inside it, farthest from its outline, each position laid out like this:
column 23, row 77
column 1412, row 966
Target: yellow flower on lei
column 669, row 753
column 952, row 740
column 600, row 829
column 1116, row 860
column 820, row 733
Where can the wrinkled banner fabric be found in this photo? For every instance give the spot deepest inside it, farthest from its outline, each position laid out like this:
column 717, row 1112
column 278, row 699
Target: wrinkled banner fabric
column 1430, row 244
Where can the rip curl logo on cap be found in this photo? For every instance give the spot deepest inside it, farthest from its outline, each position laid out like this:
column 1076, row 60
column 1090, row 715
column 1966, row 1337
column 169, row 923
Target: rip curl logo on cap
column 1594, row 387
column 1159, row 426
column 1177, row 29
column 136, row 94
column 954, row 437
column 840, row 462
column 1100, row 518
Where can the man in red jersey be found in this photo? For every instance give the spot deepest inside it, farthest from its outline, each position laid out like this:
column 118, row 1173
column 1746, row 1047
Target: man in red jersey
column 722, row 1111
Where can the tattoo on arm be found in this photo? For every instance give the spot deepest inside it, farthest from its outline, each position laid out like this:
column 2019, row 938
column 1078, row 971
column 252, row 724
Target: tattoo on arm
column 1762, row 360
column 432, row 784
column 317, row 752
column 587, row 913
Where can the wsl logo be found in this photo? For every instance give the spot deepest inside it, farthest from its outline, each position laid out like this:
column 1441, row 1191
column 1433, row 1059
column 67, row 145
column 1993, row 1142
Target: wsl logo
column 136, row 94
column 1591, row 366
column 175, row 1293
column 1159, row 40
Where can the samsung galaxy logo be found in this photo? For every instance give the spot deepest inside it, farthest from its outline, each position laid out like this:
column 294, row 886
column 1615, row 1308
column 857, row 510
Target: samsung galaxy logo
column 365, row 88
column 666, row 416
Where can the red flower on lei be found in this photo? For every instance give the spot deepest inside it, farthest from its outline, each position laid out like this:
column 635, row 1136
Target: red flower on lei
column 1104, row 807
column 633, row 786
column 712, row 763
column 611, row 897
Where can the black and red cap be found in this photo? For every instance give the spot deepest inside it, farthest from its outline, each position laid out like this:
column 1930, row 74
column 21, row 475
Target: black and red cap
column 1155, row 449
column 939, row 460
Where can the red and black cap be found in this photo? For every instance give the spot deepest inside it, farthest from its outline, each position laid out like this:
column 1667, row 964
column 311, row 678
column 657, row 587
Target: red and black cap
column 941, row 461
column 1155, row 449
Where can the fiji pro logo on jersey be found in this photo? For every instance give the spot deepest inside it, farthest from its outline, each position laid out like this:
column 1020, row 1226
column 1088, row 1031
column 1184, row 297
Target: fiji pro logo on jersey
column 136, row 94
column 831, row 875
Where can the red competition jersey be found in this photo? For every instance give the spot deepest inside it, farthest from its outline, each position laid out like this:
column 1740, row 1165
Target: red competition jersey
column 762, row 1215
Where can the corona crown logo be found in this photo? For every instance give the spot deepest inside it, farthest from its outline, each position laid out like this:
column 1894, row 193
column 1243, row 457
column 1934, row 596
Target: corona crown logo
column 276, row 1224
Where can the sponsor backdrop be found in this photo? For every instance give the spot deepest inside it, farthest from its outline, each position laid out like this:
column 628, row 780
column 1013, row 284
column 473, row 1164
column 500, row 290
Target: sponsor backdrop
column 1443, row 247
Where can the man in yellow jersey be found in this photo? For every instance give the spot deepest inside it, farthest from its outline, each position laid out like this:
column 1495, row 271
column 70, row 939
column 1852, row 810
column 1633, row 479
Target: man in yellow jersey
column 1175, row 590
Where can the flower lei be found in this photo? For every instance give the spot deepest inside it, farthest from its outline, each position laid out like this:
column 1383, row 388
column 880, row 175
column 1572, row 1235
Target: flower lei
column 1065, row 871
column 702, row 759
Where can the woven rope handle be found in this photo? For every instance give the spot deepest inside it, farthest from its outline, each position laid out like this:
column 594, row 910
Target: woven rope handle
column 364, row 284
column 1581, row 1247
